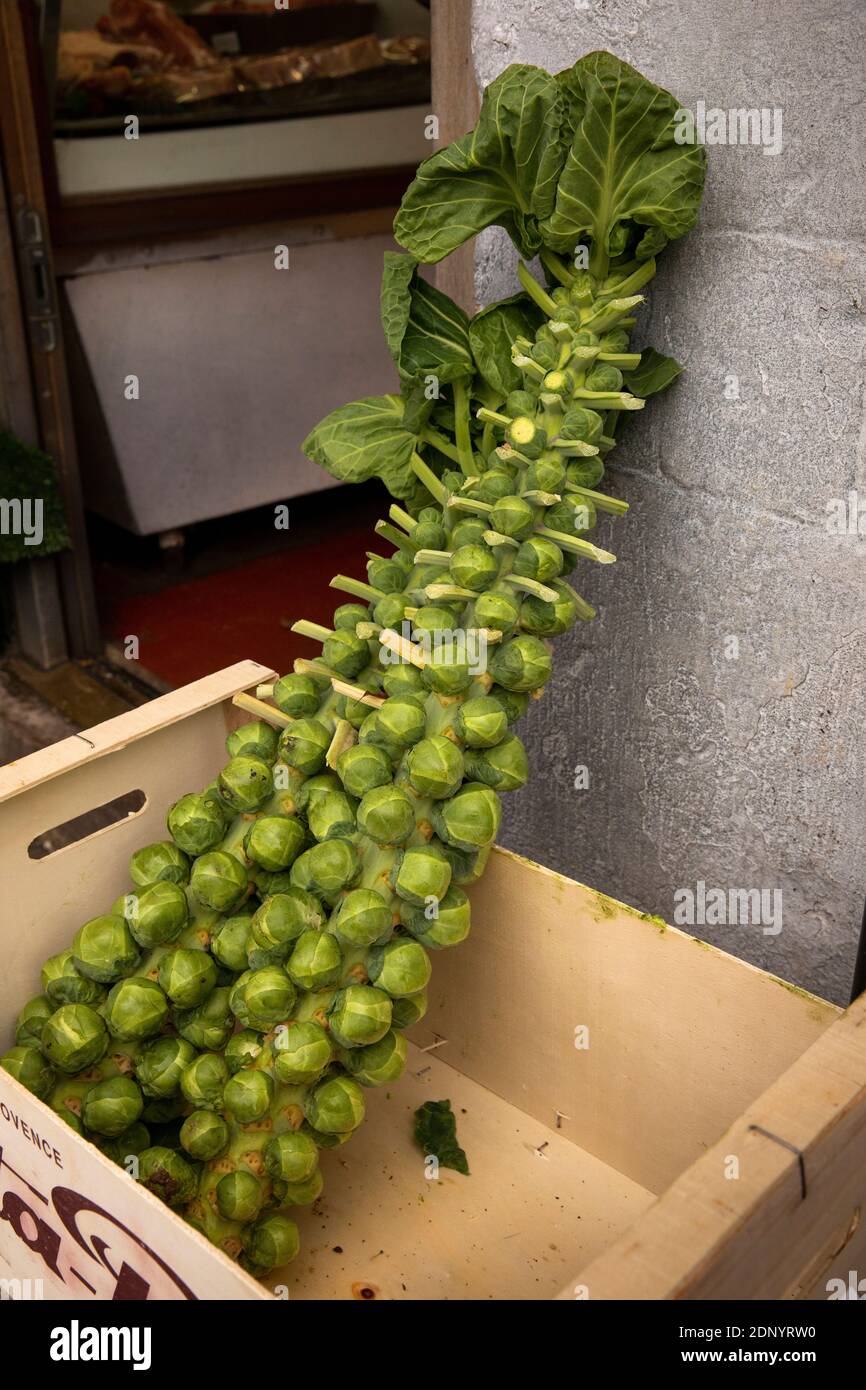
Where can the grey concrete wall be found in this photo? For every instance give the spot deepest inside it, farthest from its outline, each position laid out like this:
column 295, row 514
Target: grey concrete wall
column 748, row 771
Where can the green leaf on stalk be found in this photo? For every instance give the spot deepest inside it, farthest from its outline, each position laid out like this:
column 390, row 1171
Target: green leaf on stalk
column 504, row 171
column 624, row 161
column 491, row 333
column 427, row 333
column 653, row 374
column 366, row 439
column 417, row 407
column 436, row 1135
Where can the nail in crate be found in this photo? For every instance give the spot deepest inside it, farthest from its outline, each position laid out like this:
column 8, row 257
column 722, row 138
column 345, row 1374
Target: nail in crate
column 644, row 1116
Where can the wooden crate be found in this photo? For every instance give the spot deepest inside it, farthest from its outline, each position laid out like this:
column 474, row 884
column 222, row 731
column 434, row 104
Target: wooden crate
column 657, row 1161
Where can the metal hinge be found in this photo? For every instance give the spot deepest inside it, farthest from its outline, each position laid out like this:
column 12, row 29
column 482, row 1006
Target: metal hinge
column 40, row 304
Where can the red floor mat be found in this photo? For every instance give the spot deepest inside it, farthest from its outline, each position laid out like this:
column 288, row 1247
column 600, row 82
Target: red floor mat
column 193, row 628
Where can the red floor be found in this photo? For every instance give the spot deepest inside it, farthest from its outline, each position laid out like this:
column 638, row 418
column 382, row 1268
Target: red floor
column 198, row 626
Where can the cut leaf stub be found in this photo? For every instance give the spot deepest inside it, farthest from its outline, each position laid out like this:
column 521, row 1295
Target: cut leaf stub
column 225, row 1018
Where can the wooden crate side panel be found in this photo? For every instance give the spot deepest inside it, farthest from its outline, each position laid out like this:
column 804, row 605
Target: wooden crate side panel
column 680, row 1037
column 736, row 1225
column 75, row 1222
column 170, row 746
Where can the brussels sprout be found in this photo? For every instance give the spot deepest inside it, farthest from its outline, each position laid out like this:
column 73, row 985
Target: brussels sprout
column 585, row 472
column 362, row 917
column 160, row 1065
column 421, row 873
column 196, row 824
column 168, row 1175
column 429, row 535
column 467, row 866
column 473, row 567
column 74, row 1038
column 163, row 862
column 130, row 1144
column 523, row 663
column 30, row 1068
column 359, row 1015
column 399, row 679
column 447, row 926
column 270, row 1242
column 229, row 942
column 303, row 745
column 363, row 767
column 210, row 1024
column 434, row 767
column 246, row 783
column 397, row 724
column 390, row 610
column 505, row 767
column 431, row 618
column 204, row 1135
column 248, row 1095
column 297, row 696
column 538, row 558
column 262, row 998
column 65, row 985
column 257, row 739
column 387, row 815
column 239, row 1196
column 164, row 1114
column 290, row 1157
column 545, row 353
column 104, row 949
column 385, row 575
column 326, row 869
column 335, row 1106
column 400, row 968
column 274, row 842
column 219, row 881
column 204, row 1080
column 349, row 615
column 316, row 961
column 135, row 1009
column 381, row 1063
column 112, row 1106
column 448, row 672
column 481, row 722
column 345, row 653
column 243, row 1050
column 499, row 612
column 468, row 531
column 158, row 914
column 603, row 376
column 528, row 438
column 493, row 485
column 187, row 977
column 571, row 517
column 514, row 702
column 410, row 1010
column 512, row 516
column 69, row 1118
column 331, row 815
column 299, row 1194
column 282, row 918
column 469, row 820
column 301, row 1053
column 353, row 710
column 32, row 1019
column 579, row 423
column 550, row 619
column 545, row 475
column 313, row 787
column 520, row 403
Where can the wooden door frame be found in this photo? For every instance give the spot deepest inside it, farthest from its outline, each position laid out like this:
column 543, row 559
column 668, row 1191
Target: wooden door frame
column 28, row 225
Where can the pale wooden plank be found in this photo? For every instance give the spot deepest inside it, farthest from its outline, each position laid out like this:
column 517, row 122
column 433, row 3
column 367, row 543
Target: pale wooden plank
column 681, row 1036
column 514, row 1229
column 755, row 1236
column 456, row 103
